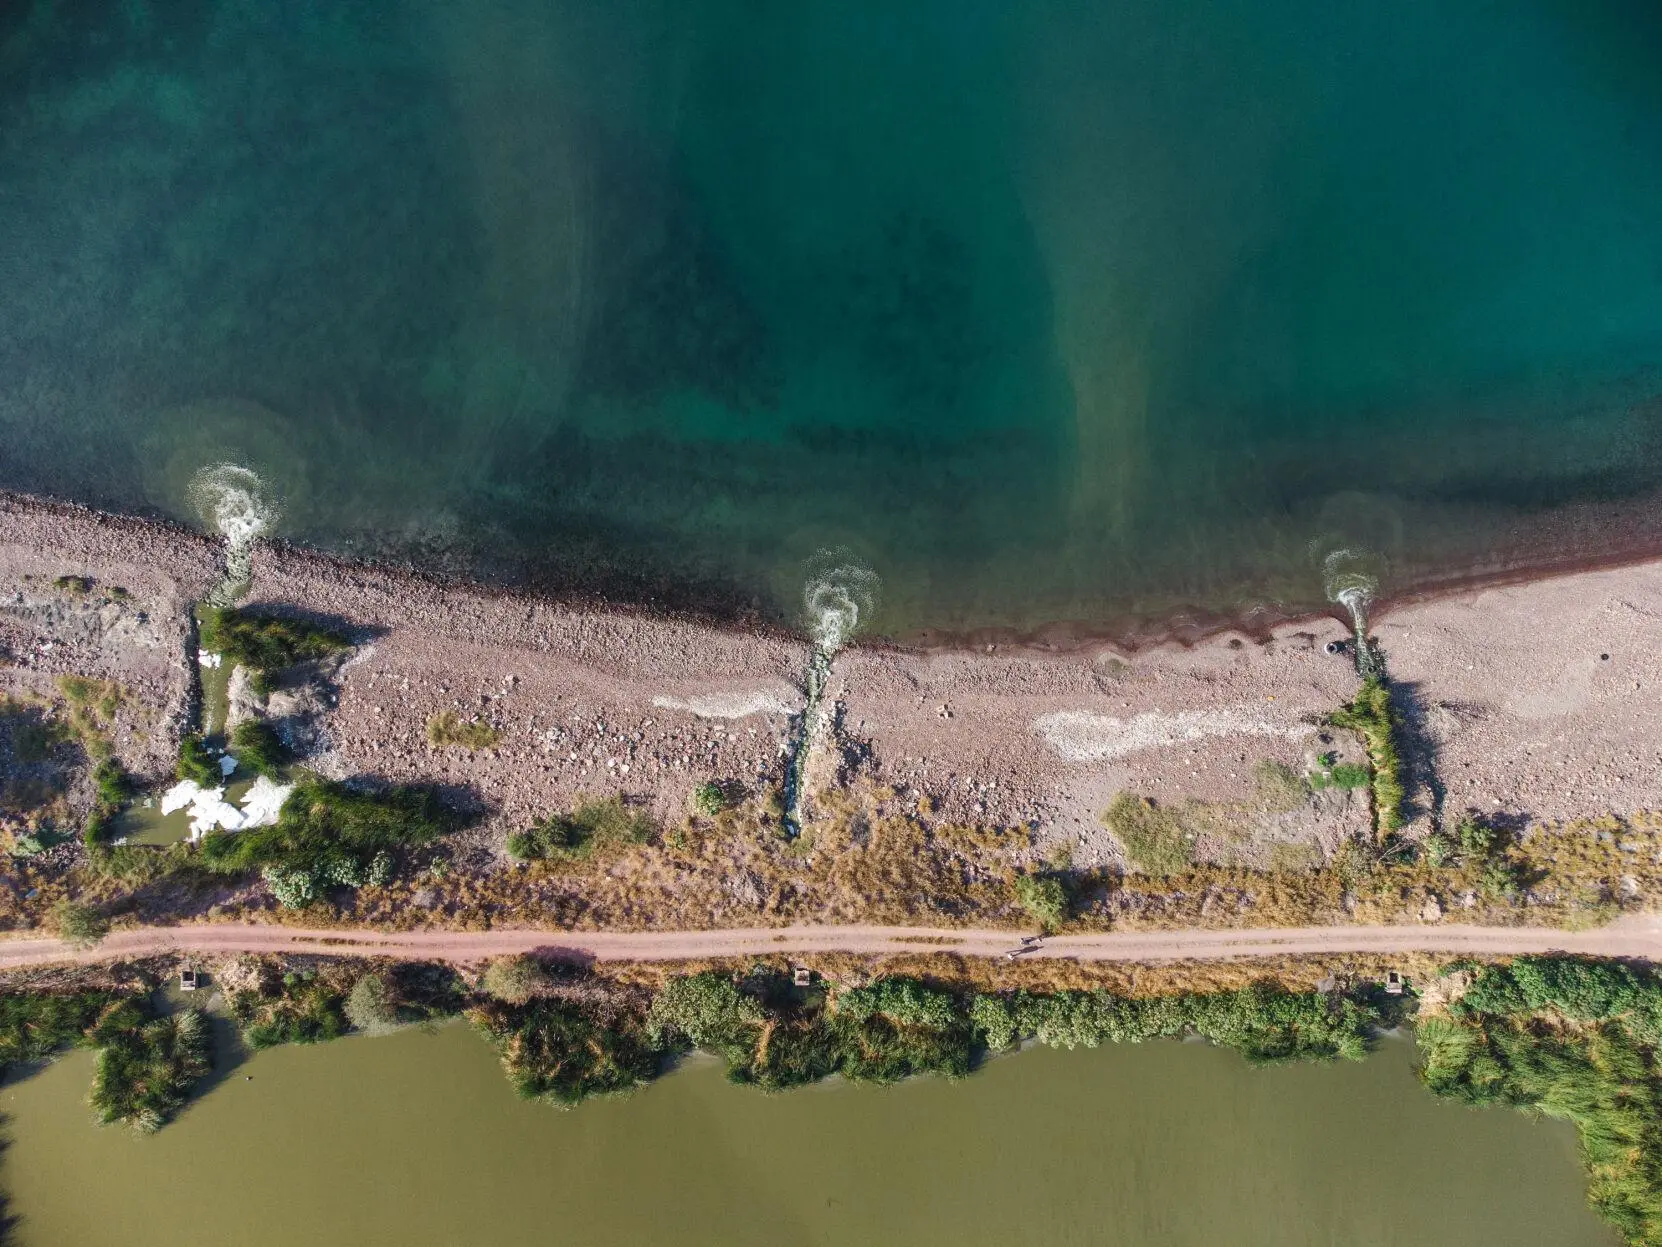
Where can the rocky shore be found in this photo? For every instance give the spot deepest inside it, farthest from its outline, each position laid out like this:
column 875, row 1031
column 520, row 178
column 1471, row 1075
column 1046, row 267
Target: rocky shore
column 1529, row 704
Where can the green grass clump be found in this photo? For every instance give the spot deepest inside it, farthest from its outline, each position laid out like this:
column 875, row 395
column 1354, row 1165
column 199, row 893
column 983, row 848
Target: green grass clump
column 447, row 728
column 146, row 1070
column 299, row 1008
column 92, row 708
column 556, row 1052
column 139, row 864
column 1372, row 717
column 1331, row 773
column 593, row 828
column 196, row 763
column 331, row 834
column 34, row 1027
column 1154, row 838
column 257, row 746
column 1573, row 1039
column 112, row 788
column 266, row 644
column 35, row 735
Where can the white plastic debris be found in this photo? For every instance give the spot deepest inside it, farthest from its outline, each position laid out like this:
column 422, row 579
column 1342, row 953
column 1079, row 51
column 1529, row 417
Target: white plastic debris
column 208, row 658
column 227, row 764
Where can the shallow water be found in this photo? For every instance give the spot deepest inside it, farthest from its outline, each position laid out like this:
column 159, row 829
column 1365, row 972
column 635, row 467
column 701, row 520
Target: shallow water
column 418, row 1140
column 1045, row 310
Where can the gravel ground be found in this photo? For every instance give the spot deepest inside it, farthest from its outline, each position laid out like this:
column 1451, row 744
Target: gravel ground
column 1533, row 700
column 1537, row 701
column 128, row 621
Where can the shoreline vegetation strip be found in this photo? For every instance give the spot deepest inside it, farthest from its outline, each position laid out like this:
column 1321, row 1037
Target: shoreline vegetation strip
column 1570, row 1038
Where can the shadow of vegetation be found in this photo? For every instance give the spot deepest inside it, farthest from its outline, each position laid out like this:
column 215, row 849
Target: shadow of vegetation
column 1417, row 746
column 577, row 958
column 230, row 1053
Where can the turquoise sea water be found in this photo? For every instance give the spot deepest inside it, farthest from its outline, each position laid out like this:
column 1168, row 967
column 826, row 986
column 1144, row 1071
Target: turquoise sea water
column 1045, row 310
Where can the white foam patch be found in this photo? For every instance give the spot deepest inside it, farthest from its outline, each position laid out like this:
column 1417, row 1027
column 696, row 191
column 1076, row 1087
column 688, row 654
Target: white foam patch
column 740, row 705
column 263, row 802
column 180, row 795
column 209, row 659
column 1084, row 736
column 210, row 811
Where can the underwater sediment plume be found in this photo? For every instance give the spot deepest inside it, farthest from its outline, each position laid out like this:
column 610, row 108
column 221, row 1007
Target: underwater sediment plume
column 237, row 505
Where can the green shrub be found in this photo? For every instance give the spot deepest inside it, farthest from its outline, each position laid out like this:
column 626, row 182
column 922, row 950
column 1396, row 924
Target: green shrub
column 713, row 797
column 707, row 1010
column 1438, row 848
column 1044, row 899
column 896, row 1027
column 145, row 1071
column 370, row 1006
column 516, row 979
column 312, row 1006
column 257, row 747
column 448, row 728
column 196, row 763
column 1154, row 838
column 1374, row 719
column 594, row 828
column 81, row 925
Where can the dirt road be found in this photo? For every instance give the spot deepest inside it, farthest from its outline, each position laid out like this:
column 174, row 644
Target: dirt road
column 1638, row 937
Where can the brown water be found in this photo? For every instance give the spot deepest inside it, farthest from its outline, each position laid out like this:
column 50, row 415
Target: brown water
column 417, row 1140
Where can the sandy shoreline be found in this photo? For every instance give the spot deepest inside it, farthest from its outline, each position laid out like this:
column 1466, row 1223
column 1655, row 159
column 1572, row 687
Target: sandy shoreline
column 1529, row 701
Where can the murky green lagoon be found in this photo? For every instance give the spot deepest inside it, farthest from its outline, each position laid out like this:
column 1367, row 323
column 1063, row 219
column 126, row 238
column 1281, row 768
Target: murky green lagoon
column 417, row 1141
column 1046, row 310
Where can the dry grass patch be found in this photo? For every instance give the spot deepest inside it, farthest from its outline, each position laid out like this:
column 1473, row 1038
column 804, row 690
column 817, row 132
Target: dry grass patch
column 92, row 706
column 447, row 729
